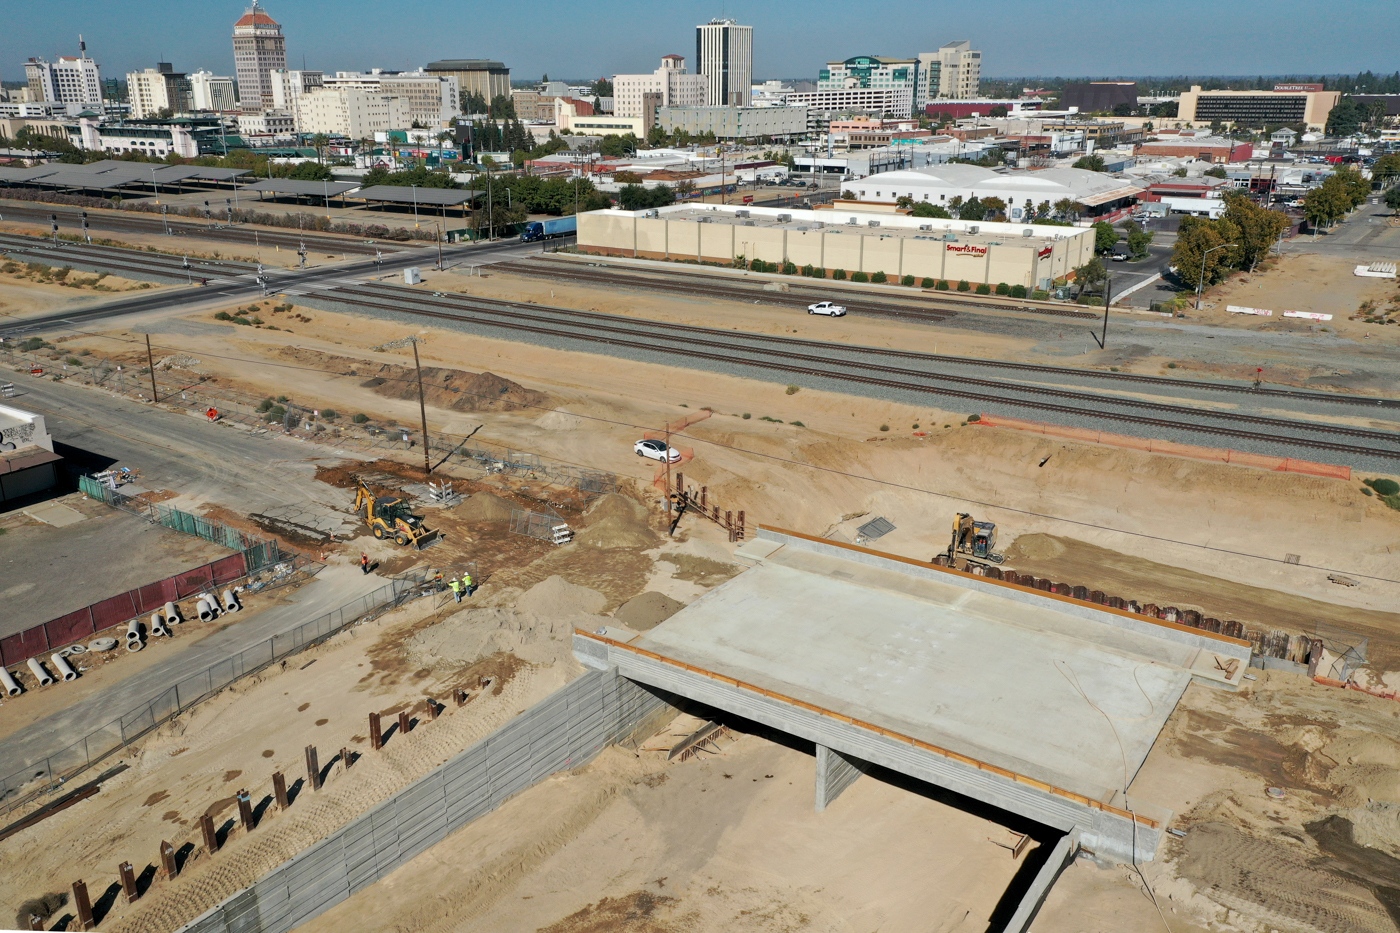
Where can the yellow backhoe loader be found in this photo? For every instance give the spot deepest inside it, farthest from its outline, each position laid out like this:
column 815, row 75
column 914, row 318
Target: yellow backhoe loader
column 974, row 540
column 392, row 518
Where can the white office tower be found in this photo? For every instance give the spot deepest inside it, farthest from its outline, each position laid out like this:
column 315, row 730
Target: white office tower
column 212, row 92
column 667, row 86
column 66, row 81
column 954, row 71
column 258, row 50
column 724, row 55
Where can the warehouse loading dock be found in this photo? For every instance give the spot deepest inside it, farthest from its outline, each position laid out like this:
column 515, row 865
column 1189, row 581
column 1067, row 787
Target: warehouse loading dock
column 1037, row 704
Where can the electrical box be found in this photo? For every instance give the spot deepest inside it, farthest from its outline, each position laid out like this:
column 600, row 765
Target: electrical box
column 411, row 276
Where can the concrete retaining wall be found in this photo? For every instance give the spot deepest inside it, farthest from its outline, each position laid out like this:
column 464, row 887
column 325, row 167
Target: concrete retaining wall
column 565, row 730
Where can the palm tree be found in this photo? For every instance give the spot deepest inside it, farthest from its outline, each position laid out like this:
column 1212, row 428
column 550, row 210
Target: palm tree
column 320, row 141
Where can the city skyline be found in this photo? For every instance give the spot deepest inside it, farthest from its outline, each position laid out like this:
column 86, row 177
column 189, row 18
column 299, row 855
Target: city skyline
column 790, row 40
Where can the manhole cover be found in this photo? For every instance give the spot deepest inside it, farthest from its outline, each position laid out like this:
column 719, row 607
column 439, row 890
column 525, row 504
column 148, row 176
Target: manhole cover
column 875, row 528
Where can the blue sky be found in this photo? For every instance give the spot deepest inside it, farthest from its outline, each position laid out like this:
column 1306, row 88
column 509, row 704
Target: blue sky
column 791, row 39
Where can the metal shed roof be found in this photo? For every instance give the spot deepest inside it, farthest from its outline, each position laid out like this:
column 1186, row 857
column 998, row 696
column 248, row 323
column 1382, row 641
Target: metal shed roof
column 298, row 186
column 403, row 194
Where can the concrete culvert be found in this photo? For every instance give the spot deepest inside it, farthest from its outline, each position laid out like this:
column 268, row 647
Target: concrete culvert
column 158, row 628
column 102, row 644
column 207, row 610
column 133, row 636
column 231, row 603
column 172, row 613
column 7, row 680
column 39, row 673
column 64, row 669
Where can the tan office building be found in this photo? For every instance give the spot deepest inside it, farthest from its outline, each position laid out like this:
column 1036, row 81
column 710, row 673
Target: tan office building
column 475, row 75
column 1285, row 105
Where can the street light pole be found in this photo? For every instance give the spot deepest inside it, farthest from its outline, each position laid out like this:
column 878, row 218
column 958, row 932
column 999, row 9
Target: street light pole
column 1200, row 283
column 415, row 205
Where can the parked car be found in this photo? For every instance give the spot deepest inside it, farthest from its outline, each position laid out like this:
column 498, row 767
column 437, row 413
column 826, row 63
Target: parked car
column 826, row 307
column 657, row 450
column 1119, row 254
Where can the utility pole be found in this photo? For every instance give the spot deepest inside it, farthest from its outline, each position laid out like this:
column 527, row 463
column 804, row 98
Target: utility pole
column 150, row 364
column 1107, row 300
column 422, row 410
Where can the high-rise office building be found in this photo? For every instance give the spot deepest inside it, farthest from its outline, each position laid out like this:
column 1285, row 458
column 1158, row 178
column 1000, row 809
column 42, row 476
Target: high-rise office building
column 212, row 92
column 953, row 71
column 724, row 55
column 66, row 81
column 259, row 48
column 667, row 86
column 159, row 88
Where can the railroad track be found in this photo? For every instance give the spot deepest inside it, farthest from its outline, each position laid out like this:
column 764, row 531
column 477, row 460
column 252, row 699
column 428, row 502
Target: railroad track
column 720, row 346
column 713, row 287
column 116, row 221
column 116, row 259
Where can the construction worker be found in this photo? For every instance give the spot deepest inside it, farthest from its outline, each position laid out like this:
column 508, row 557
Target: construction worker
column 456, row 589
column 468, row 583
column 364, row 563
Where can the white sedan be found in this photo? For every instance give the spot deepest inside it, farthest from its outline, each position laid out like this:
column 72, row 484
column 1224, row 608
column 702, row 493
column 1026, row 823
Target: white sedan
column 826, row 307
column 657, row 450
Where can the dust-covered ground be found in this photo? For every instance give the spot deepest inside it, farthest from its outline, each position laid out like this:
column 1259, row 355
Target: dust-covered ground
column 723, row 841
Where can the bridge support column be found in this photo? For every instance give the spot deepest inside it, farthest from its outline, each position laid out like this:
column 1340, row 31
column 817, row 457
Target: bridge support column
column 835, row 773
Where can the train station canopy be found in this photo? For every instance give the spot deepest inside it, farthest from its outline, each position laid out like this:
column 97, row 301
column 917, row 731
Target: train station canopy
column 424, row 197
column 300, row 188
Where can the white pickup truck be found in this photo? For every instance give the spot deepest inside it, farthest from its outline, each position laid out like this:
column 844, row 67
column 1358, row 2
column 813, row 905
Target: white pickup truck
column 827, row 307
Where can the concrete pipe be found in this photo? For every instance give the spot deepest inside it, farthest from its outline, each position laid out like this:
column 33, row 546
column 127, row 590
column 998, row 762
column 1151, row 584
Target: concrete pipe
column 172, row 613
column 231, row 603
column 206, row 609
column 158, row 626
column 133, row 633
column 7, row 680
column 60, row 664
column 39, row 672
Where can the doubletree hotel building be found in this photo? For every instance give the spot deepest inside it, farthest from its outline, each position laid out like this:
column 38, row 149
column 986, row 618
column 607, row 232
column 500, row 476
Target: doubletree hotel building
column 1285, row 105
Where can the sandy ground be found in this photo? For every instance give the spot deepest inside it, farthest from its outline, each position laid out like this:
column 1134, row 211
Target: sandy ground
column 193, row 246
column 1303, row 282
column 22, row 293
column 728, row 842
column 1322, row 856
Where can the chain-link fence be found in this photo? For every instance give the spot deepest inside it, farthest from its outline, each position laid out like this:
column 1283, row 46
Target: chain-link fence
column 40, row 776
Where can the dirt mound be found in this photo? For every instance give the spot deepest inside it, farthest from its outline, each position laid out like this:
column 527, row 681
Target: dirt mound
column 647, row 611
column 445, row 388
column 1035, row 547
column 559, row 420
column 617, row 532
column 556, row 597
column 484, row 507
column 615, row 505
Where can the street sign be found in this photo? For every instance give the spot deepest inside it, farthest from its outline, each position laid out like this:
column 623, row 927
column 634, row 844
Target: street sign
column 748, row 199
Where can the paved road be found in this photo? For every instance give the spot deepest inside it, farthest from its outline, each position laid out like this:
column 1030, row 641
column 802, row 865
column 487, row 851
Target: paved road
column 332, row 588
column 279, row 281
column 1364, row 237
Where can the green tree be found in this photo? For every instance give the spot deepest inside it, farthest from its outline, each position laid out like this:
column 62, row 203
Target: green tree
column 319, row 142
column 1179, row 173
column 1217, row 171
column 601, row 88
column 925, row 209
column 1092, row 163
column 1138, row 240
column 1067, row 207
column 1386, row 169
column 1392, row 198
column 973, row 209
column 996, row 207
column 1259, row 229
column 998, row 111
column 1347, row 117
column 1196, row 236
column 638, row 198
column 1090, row 275
column 1104, row 236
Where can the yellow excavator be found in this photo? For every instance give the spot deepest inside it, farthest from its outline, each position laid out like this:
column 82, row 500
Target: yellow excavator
column 974, row 540
column 391, row 518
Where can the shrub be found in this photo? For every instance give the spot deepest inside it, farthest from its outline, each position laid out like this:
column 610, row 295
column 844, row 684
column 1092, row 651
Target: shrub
column 33, row 343
column 808, row 271
column 359, row 419
column 793, row 390
column 884, row 427
column 860, row 277
column 789, row 268
column 329, row 414
column 819, row 273
column 240, row 319
column 879, row 278
column 1003, row 288
column 265, row 404
column 1018, row 291
column 942, row 285
column 257, row 320
column 797, row 424
column 283, row 398
column 907, row 281
column 1039, row 294
column 774, row 420
column 73, row 361
column 983, row 288
column 276, row 413
column 1171, row 366
column 927, row 283
column 223, row 316
column 964, row 287
column 972, row 418
column 1384, row 487
column 746, row 416
column 839, row 275
column 1365, row 491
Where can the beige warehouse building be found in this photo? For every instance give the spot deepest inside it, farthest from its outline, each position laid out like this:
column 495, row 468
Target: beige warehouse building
column 852, row 239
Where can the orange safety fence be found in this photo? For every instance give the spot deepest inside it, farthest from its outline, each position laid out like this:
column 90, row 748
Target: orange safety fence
column 1170, row 448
